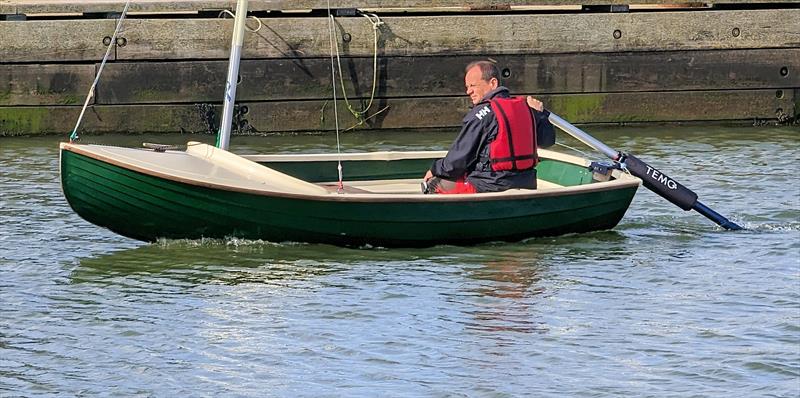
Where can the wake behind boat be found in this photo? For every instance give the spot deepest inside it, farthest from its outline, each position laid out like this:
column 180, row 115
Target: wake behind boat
column 206, row 192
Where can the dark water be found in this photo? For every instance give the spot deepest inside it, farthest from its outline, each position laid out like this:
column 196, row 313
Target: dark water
column 665, row 305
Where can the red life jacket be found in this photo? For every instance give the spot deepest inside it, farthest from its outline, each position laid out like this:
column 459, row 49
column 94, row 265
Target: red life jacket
column 515, row 145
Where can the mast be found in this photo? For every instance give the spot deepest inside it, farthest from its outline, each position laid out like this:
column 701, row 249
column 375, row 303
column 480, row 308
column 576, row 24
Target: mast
column 224, row 135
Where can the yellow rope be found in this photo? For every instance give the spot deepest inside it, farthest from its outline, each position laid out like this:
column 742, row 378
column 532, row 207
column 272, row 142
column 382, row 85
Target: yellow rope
column 361, row 115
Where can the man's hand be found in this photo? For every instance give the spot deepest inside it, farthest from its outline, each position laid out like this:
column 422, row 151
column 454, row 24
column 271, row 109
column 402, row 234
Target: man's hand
column 535, row 104
column 428, row 176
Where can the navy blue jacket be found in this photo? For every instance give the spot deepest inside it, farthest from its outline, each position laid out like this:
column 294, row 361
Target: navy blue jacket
column 469, row 154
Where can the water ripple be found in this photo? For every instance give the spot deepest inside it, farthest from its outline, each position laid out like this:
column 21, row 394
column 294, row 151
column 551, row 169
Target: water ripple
column 666, row 304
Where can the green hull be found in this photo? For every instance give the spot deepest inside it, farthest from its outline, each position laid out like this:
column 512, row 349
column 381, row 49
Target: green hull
column 147, row 207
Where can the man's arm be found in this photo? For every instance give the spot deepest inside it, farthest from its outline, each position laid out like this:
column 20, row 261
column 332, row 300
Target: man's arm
column 461, row 155
column 545, row 134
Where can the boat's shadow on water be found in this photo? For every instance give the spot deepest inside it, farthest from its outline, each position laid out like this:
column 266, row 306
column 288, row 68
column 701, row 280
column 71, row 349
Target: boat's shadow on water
column 231, row 261
column 235, row 261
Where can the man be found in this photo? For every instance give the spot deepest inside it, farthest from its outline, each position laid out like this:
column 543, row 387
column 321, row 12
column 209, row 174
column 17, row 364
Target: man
column 492, row 152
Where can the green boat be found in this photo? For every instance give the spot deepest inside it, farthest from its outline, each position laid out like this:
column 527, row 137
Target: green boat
column 207, row 192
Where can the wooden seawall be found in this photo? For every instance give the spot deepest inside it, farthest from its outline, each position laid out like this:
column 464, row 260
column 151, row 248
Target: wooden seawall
column 590, row 61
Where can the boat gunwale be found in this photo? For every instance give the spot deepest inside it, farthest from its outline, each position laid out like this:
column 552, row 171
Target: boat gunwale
column 348, row 156
column 389, row 156
column 623, row 181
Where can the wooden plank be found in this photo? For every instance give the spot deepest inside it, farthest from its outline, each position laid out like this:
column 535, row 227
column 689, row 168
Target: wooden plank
column 675, row 106
column 653, row 71
column 32, row 7
column 46, row 41
column 204, row 81
column 464, row 35
column 193, row 38
column 796, row 97
column 45, row 84
column 579, row 108
column 712, row 106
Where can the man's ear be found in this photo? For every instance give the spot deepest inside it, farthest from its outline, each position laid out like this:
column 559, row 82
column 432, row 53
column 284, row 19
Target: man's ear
column 494, row 83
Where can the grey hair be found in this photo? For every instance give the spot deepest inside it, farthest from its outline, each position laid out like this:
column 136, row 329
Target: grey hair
column 488, row 70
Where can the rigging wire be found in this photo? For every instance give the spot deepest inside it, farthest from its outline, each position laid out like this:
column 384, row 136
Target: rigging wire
column 340, row 188
column 588, row 155
column 584, row 153
column 74, row 135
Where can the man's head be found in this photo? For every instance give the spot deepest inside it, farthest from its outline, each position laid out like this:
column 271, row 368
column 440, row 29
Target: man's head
column 480, row 78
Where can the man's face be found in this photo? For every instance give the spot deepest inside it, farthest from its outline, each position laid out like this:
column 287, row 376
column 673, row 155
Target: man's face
column 477, row 88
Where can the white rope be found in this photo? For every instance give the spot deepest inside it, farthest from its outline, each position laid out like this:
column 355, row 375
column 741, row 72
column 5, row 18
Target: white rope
column 74, row 135
column 258, row 21
column 335, row 108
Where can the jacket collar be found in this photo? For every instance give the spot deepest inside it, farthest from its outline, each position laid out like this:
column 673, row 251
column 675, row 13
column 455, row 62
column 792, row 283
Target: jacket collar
column 500, row 91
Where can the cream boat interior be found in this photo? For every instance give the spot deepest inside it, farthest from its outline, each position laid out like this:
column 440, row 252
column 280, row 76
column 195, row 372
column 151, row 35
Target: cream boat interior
column 205, row 165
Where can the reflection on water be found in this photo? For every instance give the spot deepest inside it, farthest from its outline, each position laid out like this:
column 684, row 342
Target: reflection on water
column 510, row 278
column 666, row 304
column 508, row 289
